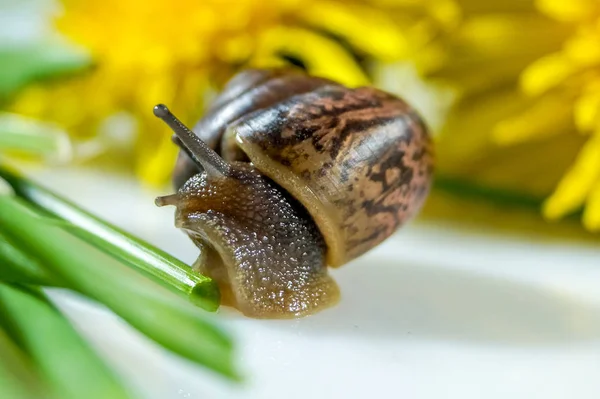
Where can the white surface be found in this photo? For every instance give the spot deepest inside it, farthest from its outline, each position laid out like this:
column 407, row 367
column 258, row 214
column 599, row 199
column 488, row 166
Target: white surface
column 432, row 313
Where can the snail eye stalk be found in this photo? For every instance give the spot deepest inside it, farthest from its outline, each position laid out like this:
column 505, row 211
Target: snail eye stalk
column 197, row 149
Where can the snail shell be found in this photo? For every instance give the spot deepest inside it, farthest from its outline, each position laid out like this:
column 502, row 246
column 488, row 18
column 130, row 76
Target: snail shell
column 347, row 168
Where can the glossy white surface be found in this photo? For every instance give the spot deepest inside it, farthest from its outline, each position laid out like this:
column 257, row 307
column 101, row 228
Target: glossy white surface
column 432, row 313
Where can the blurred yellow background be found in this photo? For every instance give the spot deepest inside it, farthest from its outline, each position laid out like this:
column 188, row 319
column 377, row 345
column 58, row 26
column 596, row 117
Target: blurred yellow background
column 510, row 88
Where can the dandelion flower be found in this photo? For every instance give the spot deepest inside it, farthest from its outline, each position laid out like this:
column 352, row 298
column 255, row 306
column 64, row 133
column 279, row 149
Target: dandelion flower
column 146, row 52
column 575, row 71
column 529, row 115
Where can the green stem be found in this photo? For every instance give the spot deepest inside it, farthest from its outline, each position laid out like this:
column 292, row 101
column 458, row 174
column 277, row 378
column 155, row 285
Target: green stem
column 17, row 266
column 153, row 310
column 17, row 379
column 128, row 249
column 463, row 187
column 66, row 363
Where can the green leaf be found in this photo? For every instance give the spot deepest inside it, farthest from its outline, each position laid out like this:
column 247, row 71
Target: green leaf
column 65, row 362
column 128, row 249
column 17, row 379
column 156, row 312
column 24, row 64
column 17, row 266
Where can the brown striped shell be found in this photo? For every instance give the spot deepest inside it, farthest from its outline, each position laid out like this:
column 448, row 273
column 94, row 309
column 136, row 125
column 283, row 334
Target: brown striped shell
column 359, row 160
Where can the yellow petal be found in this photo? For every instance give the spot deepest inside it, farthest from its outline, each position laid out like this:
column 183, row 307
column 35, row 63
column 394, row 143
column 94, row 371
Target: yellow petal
column 464, row 138
column 546, row 73
column 576, row 185
column 32, row 100
column 587, row 111
column 548, row 116
column 567, row 10
column 155, row 88
column 430, row 59
column 509, row 34
column 584, row 48
column 235, row 50
column 591, row 215
column 447, row 12
column 322, row 57
column 369, row 29
column 156, row 169
column 268, row 61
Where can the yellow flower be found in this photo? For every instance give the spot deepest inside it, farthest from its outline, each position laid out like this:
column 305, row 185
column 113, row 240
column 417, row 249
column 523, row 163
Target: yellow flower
column 179, row 53
column 574, row 71
column 529, row 78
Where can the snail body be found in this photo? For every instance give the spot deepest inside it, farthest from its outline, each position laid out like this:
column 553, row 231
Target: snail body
column 288, row 174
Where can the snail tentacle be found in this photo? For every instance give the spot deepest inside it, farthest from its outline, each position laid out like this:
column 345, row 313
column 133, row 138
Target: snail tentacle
column 197, row 149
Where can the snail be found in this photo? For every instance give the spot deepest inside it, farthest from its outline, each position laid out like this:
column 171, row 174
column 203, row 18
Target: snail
column 288, row 174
